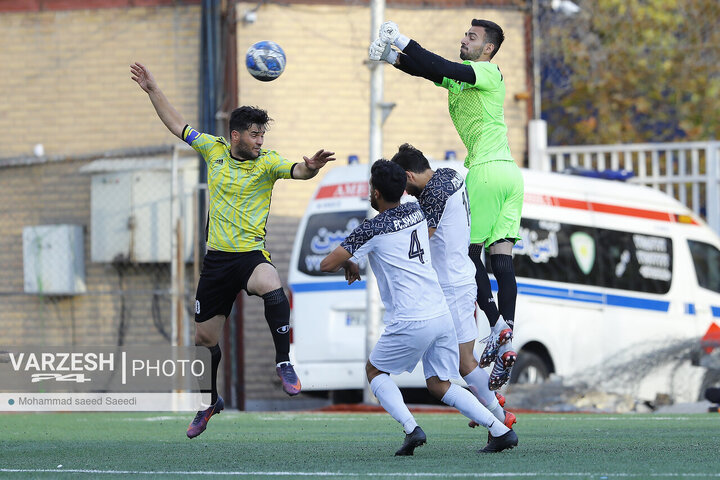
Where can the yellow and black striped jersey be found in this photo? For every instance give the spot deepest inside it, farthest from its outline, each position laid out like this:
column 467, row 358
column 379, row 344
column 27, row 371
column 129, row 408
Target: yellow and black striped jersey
column 239, row 192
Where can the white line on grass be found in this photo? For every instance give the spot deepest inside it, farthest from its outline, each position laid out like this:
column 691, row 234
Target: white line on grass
column 352, row 474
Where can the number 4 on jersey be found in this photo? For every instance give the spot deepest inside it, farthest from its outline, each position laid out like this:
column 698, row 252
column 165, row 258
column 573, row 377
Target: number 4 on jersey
column 416, row 250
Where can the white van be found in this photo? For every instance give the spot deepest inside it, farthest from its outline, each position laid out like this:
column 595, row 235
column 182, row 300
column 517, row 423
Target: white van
column 612, row 278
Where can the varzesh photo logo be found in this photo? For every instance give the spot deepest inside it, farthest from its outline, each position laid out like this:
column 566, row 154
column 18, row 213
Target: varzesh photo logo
column 101, row 377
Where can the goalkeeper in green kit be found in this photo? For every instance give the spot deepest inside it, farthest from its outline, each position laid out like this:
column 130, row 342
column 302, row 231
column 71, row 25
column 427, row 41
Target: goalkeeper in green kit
column 476, row 93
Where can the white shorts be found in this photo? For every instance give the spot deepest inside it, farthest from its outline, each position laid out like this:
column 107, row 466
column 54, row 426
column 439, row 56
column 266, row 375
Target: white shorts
column 403, row 344
column 461, row 301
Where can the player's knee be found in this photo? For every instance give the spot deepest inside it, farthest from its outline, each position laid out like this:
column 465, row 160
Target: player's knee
column 502, row 264
column 371, row 371
column 503, row 246
column 467, row 365
column 437, row 387
column 475, row 251
column 263, row 280
column 204, row 338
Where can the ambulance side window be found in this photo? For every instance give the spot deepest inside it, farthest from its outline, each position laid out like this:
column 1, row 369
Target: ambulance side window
column 323, row 233
column 557, row 252
column 635, row 261
column 706, row 259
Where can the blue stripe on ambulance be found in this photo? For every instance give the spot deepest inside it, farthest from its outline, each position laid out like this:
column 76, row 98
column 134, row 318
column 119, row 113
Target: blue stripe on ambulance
column 527, row 289
column 326, row 286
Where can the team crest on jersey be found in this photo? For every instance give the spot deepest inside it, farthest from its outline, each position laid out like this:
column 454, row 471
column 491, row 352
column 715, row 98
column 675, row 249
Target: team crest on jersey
column 219, row 161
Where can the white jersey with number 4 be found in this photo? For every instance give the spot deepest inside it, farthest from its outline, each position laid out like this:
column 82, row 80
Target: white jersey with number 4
column 397, row 245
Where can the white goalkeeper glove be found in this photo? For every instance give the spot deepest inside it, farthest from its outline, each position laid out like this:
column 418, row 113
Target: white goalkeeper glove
column 390, row 34
column 380, row 50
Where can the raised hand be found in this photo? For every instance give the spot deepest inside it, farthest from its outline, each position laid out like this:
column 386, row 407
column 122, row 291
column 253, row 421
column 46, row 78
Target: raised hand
column 380, row 50
column 389, row 32
column 143, row 77
column 376, row 50
column 319, row 160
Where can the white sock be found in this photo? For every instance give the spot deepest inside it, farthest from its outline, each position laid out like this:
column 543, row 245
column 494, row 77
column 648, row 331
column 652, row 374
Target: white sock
column 477, row 381
column 392, row 401
column 500, row 325
column 469, row 406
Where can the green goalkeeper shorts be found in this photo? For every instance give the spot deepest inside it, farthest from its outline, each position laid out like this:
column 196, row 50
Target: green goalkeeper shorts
column 495, row 190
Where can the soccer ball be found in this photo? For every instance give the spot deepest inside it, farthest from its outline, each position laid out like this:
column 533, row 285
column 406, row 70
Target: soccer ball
column 265, row 60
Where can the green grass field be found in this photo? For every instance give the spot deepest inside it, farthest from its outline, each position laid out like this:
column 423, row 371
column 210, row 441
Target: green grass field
column 338, row 445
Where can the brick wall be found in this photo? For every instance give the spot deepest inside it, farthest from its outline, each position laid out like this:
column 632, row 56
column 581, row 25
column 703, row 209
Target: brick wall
column 66, row 81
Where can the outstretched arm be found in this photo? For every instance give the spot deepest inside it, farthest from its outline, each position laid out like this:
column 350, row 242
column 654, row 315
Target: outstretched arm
column 310, row 167
column 414, row 59
column 340, row 258
column 167, row 113
column 432, row 66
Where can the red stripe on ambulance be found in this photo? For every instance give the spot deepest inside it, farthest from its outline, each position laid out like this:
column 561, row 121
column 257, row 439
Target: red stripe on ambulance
column 604, row 208
column 350, row 189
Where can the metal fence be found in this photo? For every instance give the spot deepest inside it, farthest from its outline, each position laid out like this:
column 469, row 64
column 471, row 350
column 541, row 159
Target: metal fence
column 689, row 171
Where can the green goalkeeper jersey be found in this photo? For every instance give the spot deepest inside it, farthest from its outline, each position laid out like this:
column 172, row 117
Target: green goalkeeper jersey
column 478, row 115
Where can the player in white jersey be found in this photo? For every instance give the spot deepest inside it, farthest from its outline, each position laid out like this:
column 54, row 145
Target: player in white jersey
column 418, row 324
column 443, row 199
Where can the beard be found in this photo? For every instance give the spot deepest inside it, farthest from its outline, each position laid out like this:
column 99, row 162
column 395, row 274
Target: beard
column 471, row 55
column 245, row 153
column 373, row 203
column 413, row 190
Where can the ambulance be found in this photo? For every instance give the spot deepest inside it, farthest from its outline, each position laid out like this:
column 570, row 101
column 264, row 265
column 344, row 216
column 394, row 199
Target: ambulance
column 615, row 281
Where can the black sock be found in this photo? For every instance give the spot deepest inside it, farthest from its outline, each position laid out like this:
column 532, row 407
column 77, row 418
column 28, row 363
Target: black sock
column 277, row 314
column 485, row 298
column 215, row 356
column 502, row 266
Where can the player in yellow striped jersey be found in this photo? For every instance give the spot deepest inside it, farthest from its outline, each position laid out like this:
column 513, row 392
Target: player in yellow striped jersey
column 241, row 175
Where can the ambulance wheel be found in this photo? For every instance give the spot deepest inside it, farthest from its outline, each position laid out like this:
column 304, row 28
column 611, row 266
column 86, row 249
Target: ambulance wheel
column 709, row 389
column 529, row 368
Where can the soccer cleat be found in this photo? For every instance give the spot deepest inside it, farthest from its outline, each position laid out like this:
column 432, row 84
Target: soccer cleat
column 501, row 370
column 503, row 442
column 199, row 424
column 501, row 400
column 290, row 381
column 500, row 334
column 510, row 420
column 412, row 440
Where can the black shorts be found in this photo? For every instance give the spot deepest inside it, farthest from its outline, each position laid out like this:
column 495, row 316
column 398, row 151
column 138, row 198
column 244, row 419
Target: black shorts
column 222, row 277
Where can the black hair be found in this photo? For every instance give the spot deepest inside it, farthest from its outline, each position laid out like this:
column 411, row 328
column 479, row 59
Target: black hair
column 389, row 179
column 493, row 33
column 411, row 159
column 242, row 118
